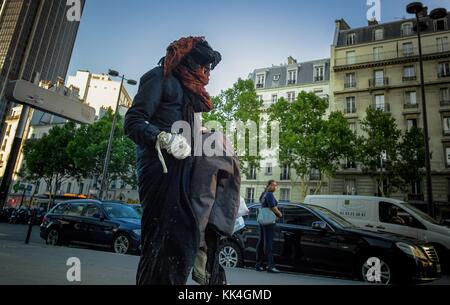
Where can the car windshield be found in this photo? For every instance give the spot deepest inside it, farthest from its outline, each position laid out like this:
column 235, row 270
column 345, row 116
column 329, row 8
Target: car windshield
column 420, row 213
column 333, row 217
column 114, row 210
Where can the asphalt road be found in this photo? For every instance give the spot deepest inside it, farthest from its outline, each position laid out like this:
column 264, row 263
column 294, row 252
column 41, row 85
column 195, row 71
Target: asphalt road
column 39, row 264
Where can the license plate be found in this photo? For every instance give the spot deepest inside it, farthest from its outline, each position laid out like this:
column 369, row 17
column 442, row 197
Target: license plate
column 438, row 268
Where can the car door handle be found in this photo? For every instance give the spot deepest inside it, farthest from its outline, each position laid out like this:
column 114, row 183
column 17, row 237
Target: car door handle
column 369, row 226
column 381, row 228
column 287, row 233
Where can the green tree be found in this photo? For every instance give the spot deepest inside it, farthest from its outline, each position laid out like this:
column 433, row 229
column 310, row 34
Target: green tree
column 48, row 158
column 309, row 141
column 410, row 167
column 88, row 150
column 379, row 150
column 239, row 103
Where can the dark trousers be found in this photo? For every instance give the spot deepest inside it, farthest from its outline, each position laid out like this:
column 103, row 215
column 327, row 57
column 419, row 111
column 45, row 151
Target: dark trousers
column 264, row 246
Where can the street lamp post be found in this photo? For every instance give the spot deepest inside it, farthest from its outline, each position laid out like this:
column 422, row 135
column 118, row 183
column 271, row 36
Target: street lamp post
column 419, row 11
column 111, row 135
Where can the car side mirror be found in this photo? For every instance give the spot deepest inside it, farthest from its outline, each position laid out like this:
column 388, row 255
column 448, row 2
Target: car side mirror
column 319, row 225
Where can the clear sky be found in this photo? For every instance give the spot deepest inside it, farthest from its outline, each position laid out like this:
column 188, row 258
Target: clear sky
column 132, row 35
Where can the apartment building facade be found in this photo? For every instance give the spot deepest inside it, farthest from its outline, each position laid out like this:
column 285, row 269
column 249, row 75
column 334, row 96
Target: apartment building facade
column 286, row 81
column 378, row 66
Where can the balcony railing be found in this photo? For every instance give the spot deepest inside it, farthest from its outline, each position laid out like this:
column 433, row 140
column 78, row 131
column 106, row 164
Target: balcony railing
column 349, row 165
column 410, row 106
column 379, row 82
column 390, row 55
column 348, row 85
column 445, row 103
column 291, row 82
column 385, row 108
column 444, row 74
column 409, row 78
column 259, row 86
column 284, row 177
column 319, row 79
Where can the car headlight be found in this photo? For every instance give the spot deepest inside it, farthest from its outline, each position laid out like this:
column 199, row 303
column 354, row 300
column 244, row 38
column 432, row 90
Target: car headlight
column 411, row 250
column 137, row 232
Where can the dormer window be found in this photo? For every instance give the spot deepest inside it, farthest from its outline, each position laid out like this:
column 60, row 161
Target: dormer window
column 292, row 77
column 351, row 39
column 319, row 73
column 407, row 29
column 276, row 77
column 260, row 80
column 379, row 34
column 440, row 25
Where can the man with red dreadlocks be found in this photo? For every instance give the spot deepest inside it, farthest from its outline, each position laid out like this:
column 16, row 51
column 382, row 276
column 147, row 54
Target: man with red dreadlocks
column 172, row 92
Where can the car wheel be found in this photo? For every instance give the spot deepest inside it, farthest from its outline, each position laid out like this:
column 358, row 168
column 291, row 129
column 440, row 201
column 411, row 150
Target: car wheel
column 230, row 255
column 53, row 237
column 369, row 273
column 121, row 244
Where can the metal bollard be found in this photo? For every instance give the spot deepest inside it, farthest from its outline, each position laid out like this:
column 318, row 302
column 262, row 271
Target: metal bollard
column 30, row 226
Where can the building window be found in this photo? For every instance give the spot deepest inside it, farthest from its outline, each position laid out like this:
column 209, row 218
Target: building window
column 379, row 79
column 379, row 102
column 379, row 34
column 411, row 98
column 351, row 105
column 407, row 29
column 352, row 127
column 351, row 39
column 319, row 73
column 444, row 69
column 378, row 53
column 440, row 25
column 285, row 173
column 408, row 49
column 81, row 188
column 442, row 44
column 447, row 156
column 251, row 173
column 351, row 57
column 4, row 144
column 250, row 195
column 292, row 77
column 260, row 81
column 410, row 123
column 350, row 80
column 69, row 188
column 260, row 98
column 291, row 96
column 409, row 73
column 269, row 169
column 285, row 194
column 446, row 124
column 350, row 187
column 314, row 174
column 274, row 99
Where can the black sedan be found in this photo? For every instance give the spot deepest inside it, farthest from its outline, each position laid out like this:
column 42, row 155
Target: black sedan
column 315, row 240
column 90, row 222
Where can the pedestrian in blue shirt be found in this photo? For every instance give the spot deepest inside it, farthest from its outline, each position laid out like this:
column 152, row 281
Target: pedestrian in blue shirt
column 265, row 243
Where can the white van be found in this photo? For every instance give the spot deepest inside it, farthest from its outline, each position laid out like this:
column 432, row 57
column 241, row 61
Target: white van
column 387, row 215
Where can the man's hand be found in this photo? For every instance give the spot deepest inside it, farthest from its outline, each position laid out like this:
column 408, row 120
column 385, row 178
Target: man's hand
column 175, row 144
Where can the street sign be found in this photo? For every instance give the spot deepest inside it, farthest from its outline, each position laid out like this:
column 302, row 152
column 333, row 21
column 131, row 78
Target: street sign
column 26, row 93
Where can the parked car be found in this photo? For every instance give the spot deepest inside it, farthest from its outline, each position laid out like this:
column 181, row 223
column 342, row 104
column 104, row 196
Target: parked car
column 20, row 216
column 389, row 215
column 313, row 239
column 137, row 208
column 92, row 222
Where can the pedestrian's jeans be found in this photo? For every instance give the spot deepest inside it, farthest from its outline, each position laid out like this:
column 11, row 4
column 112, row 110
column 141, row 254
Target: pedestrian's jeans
column 264, row 246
